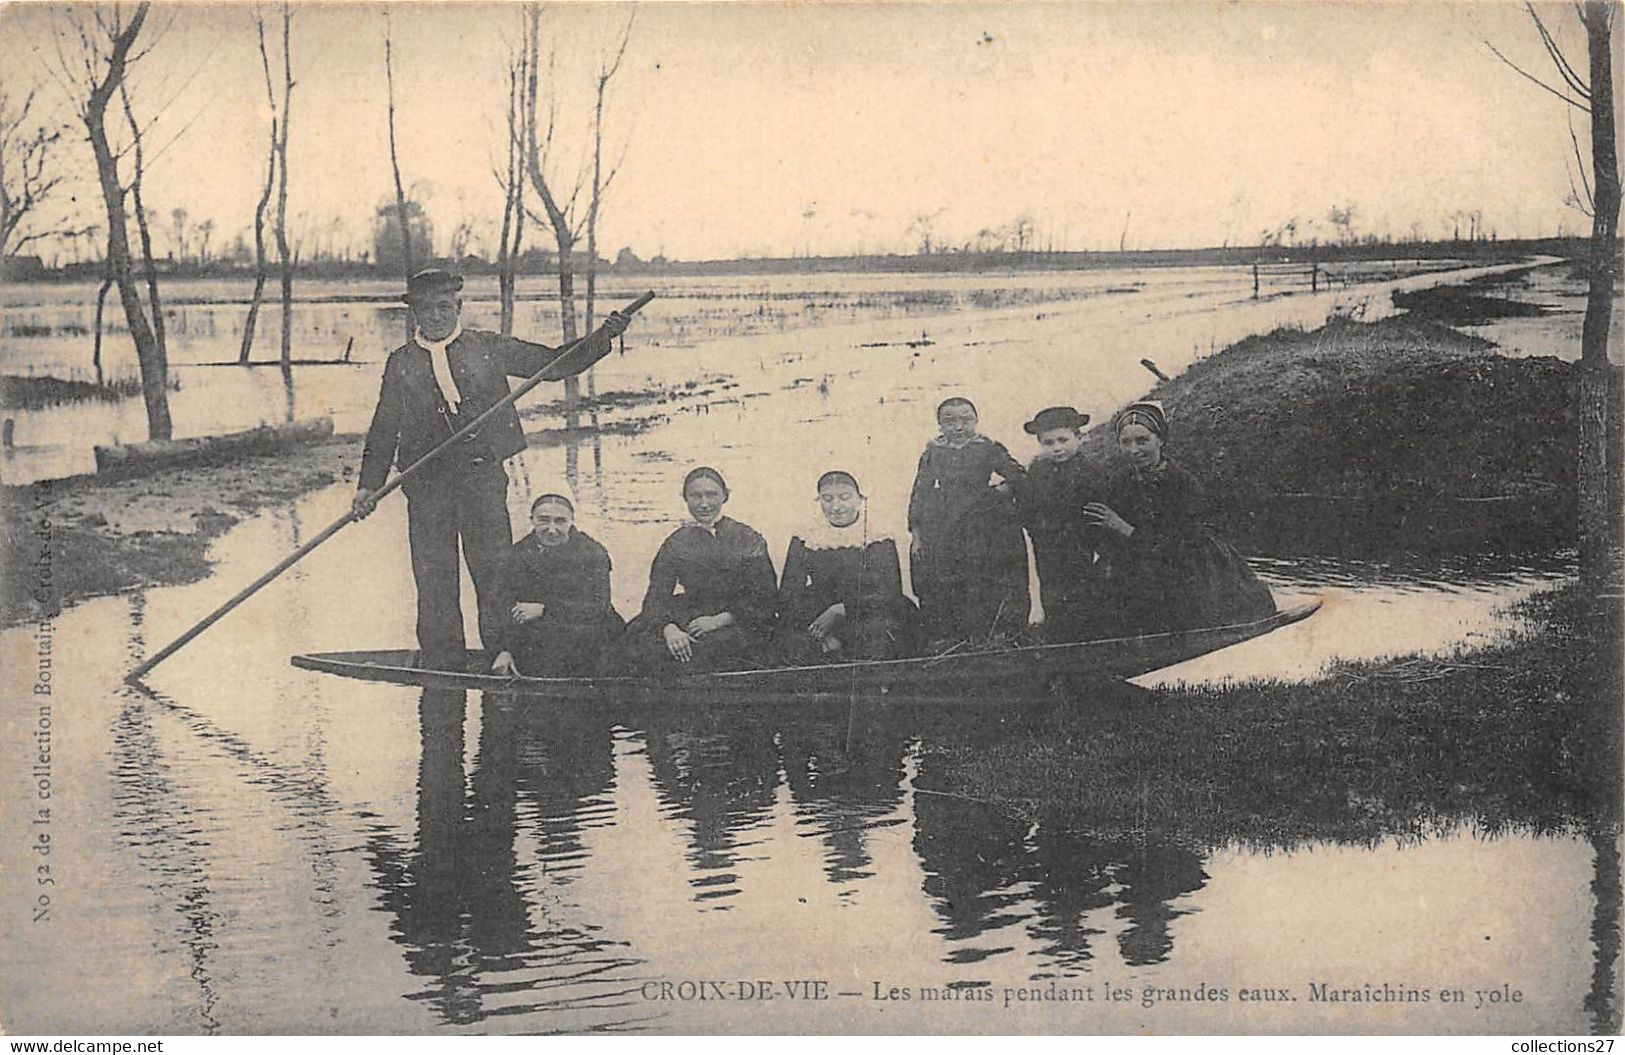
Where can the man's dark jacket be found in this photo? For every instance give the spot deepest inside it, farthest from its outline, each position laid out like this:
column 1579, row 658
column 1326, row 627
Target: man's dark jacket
column 412, row 418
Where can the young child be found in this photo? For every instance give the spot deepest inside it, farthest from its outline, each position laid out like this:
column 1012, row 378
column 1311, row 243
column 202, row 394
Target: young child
column 967, row 556
column 1059, row 484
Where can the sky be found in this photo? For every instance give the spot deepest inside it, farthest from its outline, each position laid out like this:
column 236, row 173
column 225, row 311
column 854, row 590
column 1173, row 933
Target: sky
column 754, row 129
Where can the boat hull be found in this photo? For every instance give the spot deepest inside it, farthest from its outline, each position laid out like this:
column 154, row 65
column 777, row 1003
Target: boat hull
column 986, row 675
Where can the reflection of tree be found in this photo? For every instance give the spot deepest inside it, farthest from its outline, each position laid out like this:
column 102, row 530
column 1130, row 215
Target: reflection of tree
column 720, row 777
column 844, row 778
column 153, row 814
column 1603, row 1001
column 463, row 901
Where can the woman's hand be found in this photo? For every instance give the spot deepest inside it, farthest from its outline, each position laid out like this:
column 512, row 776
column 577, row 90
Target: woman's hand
column 526, row 611
column 827, row 621
column 1103, row 515
column 915, row 546
column 679, row 644
column 701, row 625
column 504, row 665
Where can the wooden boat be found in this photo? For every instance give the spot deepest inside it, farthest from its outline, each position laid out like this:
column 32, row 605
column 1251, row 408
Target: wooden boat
column 967, row 674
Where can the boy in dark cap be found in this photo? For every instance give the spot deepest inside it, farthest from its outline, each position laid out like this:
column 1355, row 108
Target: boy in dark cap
column 434, row 385
column 1059, row 483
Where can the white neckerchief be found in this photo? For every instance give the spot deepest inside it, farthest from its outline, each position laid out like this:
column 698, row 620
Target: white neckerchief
column 441, row 363
column 710, row 529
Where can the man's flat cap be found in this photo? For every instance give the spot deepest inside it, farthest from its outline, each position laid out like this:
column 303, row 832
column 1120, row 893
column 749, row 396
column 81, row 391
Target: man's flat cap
column 432, row 280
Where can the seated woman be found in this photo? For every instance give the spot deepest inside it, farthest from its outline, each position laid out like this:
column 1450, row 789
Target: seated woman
column 1167, row 571
column 557, row 579
column 841, row 596
column 711, row 598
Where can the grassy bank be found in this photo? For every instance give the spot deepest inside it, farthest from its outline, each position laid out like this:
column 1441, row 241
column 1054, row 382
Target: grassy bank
column 1405, row 421
column 1523, row 734
column 109, row 536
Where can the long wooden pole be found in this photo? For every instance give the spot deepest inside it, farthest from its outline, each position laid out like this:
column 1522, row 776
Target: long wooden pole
column 332, row 529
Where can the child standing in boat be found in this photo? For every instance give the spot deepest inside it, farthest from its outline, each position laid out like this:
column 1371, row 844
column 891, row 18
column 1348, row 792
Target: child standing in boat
column 967, row 556
column 1059, row 484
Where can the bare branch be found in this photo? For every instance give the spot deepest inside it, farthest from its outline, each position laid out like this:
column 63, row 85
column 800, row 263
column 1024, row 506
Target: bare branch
column 607, row 73
column 1520, row 71
column 614, row 170
column 1574, row 140
column 1564, row 70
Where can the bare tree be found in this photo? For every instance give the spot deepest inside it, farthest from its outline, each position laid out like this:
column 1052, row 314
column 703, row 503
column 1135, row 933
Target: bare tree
column 394, row 155
column 27, row 177
column 178, row 245
column 1342, row 218
column 559, row 214
column 512, row 237
column 1592, row 94
column 920, row 230
column 149, row 267
column 103, row 42
column 601, row 181
column 260, row 275
column 205, row 229
column 283, row 256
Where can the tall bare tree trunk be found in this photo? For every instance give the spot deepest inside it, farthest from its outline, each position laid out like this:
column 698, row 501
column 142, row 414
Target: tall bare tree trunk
column 149, row 353
column 563, row 234
column 252, row 321
column 394, row 155
column 148, row 267
column 1599, row 516
column 600, row 184
column 596, row 200
column 282, row 187
column 513, row 202
column 395, row 166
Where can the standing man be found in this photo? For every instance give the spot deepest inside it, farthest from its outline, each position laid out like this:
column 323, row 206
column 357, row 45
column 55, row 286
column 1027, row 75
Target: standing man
column 434, row 385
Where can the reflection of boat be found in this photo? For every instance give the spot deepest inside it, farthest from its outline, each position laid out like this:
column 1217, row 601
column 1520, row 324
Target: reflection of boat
column 991, row 674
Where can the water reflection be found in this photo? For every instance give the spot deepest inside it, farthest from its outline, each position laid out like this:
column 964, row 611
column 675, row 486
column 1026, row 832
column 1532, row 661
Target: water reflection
column 989, row 872
column 484, row 947
column 845, row 774
column 719, row 779
column 171, row 839
column 1602, row 1000
column 1153, row 877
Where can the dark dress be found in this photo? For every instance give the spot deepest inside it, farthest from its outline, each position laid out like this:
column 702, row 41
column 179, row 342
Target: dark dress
column 700, row 572
column 1071, row 576
column 572, row 580
column 866, row 578
column 971, row 579
column 1173, row 573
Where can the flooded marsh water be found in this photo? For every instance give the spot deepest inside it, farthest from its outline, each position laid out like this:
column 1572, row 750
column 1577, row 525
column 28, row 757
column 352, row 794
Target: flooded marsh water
column 246, row 847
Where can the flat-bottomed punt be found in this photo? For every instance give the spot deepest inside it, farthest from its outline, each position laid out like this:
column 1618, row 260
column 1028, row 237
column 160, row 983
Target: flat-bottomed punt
column 963, row 674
